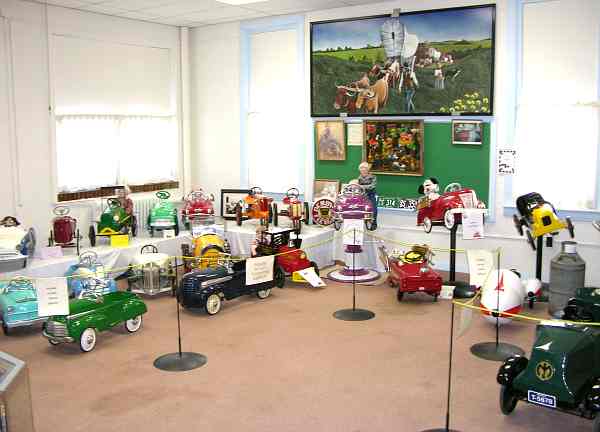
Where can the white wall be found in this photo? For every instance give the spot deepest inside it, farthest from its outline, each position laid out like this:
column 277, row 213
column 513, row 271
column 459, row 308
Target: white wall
column 216, row 136
column 25, row 99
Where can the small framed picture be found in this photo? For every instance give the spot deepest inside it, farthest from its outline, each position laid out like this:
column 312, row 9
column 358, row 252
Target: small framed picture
column 467, row 132
column 229, row 201
column 331, row 140
column 326, row 189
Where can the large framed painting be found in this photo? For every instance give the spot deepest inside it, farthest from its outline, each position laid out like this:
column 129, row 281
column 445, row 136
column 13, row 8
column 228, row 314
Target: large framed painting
column 436, row 62
column 394, row 146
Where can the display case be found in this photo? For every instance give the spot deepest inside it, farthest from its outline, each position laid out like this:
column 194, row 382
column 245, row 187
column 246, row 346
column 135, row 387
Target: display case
column 15, row 396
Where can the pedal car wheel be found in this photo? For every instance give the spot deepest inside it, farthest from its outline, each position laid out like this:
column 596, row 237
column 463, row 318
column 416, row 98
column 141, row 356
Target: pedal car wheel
column 449, row 219
column 132, row 325
column 87, row 341
column 51, row 239
column 596, row 424
column 337, row 225
column 279, row 277
column 92, row 236
column 530, row 240
column 213, row 304
column 518, row 225
column 5, row 329
column 315, row 266
column 151, row 231
column 400, row 295
column 508, row 400
column 369, row 225
column 134, row 226
column 238, row 215
column 435, row 297
column 53, row 342
column 263, row 294
column 306, row 214
column 427, row 225
column 274, row 212
column 570, row 227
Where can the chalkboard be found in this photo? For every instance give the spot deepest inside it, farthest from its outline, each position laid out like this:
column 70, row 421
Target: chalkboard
column 466, row 164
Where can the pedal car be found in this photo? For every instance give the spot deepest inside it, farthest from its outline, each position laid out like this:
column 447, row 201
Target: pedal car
column 16, row 244
column 18, row 304
column 151, row 272
column 198, row 206
column 163, row 216
column 290, row 257
column 85, row 272
column 93, row 313
column 353, row 203
column 447, row 209
column 207, row 248
column 562, row 373
column 584, row 307
column 296, row 210
column 209, row 287
column 255, row 205
column 411, row 272
column 539, row 217
column 113, row 220
column 64, row 232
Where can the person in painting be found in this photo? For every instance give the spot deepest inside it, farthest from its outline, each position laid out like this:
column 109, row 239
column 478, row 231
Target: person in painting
column 410, row 84
column 369, row 182
column 438, row 75
column 329, row 145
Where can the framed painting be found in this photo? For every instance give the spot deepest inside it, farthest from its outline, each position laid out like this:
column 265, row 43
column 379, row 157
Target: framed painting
column 394, row 146
column 331, row 140
column 467, row 132
column 435, row 62
column 326, row 189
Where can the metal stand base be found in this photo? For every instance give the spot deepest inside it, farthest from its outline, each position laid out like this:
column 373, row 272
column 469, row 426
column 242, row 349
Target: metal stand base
column 441, row 430
column 495, row 351
column 354, row 314
column 180, row 362
column 462, row 290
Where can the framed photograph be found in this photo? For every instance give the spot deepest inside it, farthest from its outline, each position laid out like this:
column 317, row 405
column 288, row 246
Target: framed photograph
column 467, row 132
column 229, row 199
column 331, row 140
column 434, row 62
column 326, row 189
column 394, row 147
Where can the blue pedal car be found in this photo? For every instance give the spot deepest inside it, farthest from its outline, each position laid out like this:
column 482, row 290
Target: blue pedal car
column 88, row 269
column 18, row 304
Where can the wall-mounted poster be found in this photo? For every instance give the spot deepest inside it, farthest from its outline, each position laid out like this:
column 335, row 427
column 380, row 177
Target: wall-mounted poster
column 331, row 140
column 467, row 132
column 421, row 63
column 394, row 146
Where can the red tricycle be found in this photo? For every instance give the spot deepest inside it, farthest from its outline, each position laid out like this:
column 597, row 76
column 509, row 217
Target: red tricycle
column 290, row 258
column 411, row 272
column 296, row 210
column 64, row 232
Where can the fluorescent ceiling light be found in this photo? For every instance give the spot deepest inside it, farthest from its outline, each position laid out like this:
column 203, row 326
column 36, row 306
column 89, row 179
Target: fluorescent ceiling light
column 240, row 2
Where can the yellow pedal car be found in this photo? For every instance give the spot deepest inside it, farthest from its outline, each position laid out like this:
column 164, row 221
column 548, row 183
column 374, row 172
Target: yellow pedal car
column 539, row 217
column 207, row 249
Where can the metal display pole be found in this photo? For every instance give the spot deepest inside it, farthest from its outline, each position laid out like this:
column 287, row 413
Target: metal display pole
column 461, row 289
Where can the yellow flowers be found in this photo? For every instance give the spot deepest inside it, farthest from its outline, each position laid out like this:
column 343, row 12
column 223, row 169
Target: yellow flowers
column 470, row 102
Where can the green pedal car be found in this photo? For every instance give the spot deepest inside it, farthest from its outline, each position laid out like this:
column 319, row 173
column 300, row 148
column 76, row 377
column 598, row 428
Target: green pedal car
column 163, row 216
column 94, row 313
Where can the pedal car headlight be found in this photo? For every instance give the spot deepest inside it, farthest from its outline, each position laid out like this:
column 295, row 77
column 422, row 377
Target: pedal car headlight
column 303, row 256
column 10, row 309
column 424, row 270
column 116, row 218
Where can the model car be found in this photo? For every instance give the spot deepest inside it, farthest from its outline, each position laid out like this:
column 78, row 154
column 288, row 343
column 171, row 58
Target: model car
column 562, row 373
column 16, row 245
column 151, row 272
column 18, row 304
column 64, row 232
column 584, row 307
column 86, row 272
column 353, row 203
column 255, row 205
column 447, row 209
column 113, row 220
column 539, row 217
column 411, row 272
column 207, row 247
column 290, row 258
column 163, row 215
column 94, row 313
column 209, row 287
column 294, row 208
column 198, row 206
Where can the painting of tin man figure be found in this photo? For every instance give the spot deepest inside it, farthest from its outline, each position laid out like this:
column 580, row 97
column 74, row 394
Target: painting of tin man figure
column 438, row 62
column 394, row 147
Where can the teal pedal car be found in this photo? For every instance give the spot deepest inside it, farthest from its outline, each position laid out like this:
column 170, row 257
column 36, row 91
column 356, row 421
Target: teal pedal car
column 163, row 216
column 18, row 304
column 113, row 220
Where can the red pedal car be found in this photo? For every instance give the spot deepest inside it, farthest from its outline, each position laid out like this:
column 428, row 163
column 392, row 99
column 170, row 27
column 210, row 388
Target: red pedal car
column 198, row 207
column 294, row 209
column 291, row 258
column 64, row 232
column 412, row 273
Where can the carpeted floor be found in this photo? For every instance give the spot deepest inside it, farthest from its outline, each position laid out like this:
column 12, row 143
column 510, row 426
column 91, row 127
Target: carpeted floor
column 281, row 364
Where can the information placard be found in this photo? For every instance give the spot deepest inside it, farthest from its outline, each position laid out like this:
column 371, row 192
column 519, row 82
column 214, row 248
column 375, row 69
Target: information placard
column 481, row 264
column 354, row 230
column 52, row 296
column 259, row 270
column 309, row 275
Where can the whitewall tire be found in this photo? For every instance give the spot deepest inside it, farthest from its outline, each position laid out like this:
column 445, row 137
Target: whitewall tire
column 213, row 304
column 132, row 325
column 263, row 294
column 449, row 219
column 87, row 341
column 427, row 225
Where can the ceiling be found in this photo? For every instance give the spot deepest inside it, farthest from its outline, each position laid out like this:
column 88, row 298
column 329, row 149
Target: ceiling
column 194, row 13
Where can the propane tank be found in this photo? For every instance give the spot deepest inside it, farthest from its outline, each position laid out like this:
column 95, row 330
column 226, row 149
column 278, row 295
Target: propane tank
column 567, row 273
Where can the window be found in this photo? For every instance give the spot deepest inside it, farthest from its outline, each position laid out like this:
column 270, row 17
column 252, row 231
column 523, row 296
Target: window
column 557, row 119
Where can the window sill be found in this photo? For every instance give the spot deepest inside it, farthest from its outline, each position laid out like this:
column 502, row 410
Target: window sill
column 108, row 191
column 575, row 215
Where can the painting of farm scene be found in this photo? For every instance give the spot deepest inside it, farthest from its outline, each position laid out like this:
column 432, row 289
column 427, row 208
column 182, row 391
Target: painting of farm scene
column 437, row 62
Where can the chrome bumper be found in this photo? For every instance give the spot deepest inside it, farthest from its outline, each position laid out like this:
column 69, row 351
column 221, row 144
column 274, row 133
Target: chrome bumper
column 25, row 323
column 59, row 339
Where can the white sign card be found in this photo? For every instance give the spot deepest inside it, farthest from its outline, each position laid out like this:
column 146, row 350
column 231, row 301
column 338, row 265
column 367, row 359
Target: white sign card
column 259, row 270
column 481, row 264
column 355, row 134
column 506, row 161
column 447, row 292
column 52, row 296
column 472, row 222
column 168, row 233
column 311, row 277
column 354, row 230
column 48, row 252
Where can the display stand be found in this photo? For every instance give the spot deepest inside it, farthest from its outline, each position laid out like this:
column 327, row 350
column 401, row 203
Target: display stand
column 496, row 351
column 461, row 289
column 354, row 314
column 179, row 361
column 539, row 254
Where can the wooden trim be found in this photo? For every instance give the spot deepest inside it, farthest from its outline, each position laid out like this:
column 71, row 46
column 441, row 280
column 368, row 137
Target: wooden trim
column 107, row 191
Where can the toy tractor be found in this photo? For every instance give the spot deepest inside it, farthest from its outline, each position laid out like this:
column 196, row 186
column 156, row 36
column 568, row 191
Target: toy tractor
column 539, row 217
column 255, row 205
column 296, row 210
column 290, row 258
column 64, row 232
column 113, row 220
column 199, row 208
column 411, row 272
column 163, row 216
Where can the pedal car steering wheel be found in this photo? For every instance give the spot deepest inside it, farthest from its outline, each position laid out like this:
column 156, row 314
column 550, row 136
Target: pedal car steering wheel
column 453, row 187
column 354, row 190
column 163, row 195
column 292, row 193
column 150, row 248
column 88, row 259
column 61, row 210
column 413, row 257
column 194, row 195
column 256, row 191
column 113, row 203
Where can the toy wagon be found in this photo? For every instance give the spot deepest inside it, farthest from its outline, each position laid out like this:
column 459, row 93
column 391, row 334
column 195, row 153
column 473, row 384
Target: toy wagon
column 16, row 245
column 163, row 215
column 86, row 272
column 411, row 272
column 198, row 207
column 353, row 203
column 113, row 220
column 207, row 248
column 255, row 205
column 539, row 217
column 151, row 272
column 290, row 258
column 64, row 232
column 296, row 210
column 18, row 304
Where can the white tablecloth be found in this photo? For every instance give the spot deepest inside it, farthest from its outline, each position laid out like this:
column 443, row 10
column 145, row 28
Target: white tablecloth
column 369, row 258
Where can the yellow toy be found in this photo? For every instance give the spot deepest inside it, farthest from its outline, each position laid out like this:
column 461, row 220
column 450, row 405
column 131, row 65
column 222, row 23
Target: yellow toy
column 207, row 247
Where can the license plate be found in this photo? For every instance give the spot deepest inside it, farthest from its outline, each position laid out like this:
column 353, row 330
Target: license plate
column 541, row 399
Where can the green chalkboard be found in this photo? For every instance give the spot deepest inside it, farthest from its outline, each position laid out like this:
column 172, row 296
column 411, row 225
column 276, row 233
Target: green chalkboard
column 466, row 164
